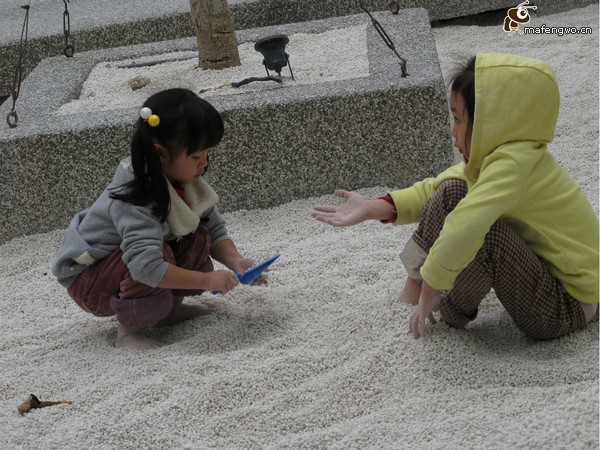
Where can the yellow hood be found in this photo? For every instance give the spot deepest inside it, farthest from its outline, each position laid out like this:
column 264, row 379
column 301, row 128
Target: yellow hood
column 505, row 111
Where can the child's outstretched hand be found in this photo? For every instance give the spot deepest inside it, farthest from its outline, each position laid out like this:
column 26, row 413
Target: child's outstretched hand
column 354, row 211
column 430, row 298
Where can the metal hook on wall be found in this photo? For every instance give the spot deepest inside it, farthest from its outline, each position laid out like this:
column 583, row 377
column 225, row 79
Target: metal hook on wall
column 69, row 50
column 12, row 118
column 386, row 39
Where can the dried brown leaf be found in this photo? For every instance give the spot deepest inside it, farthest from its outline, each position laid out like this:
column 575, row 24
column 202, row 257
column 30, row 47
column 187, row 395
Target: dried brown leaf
column 33, row 402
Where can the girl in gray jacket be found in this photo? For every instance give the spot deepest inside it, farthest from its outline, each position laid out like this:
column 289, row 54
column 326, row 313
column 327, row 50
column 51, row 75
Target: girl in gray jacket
column 148, row 239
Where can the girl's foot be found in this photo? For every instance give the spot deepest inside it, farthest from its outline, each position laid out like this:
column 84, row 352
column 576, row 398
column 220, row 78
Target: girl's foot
column 181, row 311
column 411, row 292
column 133, row 338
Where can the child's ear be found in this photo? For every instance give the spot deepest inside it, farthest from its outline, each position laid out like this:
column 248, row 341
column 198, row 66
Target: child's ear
column 160, row 151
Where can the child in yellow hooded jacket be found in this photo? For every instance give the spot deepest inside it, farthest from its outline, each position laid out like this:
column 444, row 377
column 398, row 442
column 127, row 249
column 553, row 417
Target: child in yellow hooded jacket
column 508, row 217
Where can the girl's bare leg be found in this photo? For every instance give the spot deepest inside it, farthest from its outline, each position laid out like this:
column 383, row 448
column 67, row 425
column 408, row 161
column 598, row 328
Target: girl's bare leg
column 411, row 292
column 182, row 311
column 132, row 337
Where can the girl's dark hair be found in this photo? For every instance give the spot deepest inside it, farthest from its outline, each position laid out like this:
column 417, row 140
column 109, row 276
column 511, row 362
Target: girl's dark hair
column 187, row 122
column 463, row 83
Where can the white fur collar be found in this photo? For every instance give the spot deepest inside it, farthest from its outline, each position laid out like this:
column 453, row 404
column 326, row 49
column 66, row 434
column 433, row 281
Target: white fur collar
column 184, row 219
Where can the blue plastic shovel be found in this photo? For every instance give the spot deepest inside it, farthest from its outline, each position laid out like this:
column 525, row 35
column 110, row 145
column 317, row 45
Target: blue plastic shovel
column 252, row 274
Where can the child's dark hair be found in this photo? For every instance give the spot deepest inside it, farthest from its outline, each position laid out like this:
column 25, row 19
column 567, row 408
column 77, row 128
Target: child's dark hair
column 187, row 122
column 463, row 83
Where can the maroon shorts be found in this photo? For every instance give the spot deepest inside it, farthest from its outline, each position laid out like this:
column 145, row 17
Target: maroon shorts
column 98, row 284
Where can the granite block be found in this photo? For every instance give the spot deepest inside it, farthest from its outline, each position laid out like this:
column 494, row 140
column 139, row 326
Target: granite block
column 98, row 24
column 280, row 145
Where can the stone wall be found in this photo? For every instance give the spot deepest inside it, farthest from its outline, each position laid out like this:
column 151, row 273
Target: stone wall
column 280, row 144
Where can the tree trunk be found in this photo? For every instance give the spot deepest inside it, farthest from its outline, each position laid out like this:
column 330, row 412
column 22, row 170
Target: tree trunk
column 217, row 44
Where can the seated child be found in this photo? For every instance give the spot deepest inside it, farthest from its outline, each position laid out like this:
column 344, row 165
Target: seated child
column 148, row 239
column 508, row 217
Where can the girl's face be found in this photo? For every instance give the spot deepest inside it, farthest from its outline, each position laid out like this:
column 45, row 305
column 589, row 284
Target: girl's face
column 461, row 131
column 184, row 168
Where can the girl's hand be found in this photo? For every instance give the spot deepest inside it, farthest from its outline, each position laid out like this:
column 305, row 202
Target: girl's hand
column 357, row 209
column 221, row 281
column 242, row 264
column 354, row 211
column 430, row 298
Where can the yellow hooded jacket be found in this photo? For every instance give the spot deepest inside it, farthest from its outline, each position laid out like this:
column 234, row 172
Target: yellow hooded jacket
column 513, row 178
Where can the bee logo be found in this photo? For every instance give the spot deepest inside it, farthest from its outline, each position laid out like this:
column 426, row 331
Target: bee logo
column 517, row 16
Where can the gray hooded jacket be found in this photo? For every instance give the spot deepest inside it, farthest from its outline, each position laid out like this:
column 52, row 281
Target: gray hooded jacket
column 110, row 224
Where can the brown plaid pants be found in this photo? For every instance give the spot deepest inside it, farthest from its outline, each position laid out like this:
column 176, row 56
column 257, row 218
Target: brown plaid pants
column 536, row 301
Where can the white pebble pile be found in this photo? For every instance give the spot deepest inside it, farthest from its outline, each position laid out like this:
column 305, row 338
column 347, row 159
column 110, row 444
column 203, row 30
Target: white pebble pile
column 312, row 57
column 321, row 357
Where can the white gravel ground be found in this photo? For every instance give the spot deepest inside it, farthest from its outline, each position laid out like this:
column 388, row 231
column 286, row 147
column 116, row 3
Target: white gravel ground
column 320, row 358
column 312, row 59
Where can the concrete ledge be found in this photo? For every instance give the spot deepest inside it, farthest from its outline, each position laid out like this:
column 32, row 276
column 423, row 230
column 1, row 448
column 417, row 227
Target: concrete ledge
column 97, row 24
column 280, row 145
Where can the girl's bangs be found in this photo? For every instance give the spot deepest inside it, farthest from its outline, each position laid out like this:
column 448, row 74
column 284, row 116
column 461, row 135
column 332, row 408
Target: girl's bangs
column 205, row 128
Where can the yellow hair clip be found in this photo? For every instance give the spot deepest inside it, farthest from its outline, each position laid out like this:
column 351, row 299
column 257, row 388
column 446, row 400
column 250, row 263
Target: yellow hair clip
column 152, row 119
